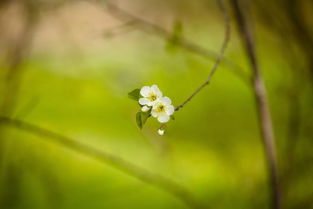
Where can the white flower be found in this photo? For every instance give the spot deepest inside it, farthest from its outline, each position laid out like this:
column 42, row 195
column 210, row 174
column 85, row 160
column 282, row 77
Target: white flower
column 161, row 131
column 162, row 109
column 145, row 108
column 150, row 95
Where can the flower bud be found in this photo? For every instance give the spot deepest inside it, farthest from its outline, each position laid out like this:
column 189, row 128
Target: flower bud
column 161, row 131
column 145, row 109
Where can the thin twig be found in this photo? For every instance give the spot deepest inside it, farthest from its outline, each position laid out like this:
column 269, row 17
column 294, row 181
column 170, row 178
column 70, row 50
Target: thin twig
column 219, row 57
column 264, row 115
column 126, row 167
column 185, row 43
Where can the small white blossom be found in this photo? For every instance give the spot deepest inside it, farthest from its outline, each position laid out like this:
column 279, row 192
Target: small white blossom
column 162, row 109
column 161, row 131
column 150, row 95
column 145, row 108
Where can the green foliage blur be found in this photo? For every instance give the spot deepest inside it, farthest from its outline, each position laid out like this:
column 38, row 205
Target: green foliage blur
column 66, row 74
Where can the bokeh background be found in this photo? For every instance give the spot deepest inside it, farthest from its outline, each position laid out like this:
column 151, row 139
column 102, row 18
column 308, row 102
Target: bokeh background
column 67, row 66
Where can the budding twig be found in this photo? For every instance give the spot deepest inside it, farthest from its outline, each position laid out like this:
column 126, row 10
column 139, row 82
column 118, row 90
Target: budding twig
column 218, row 59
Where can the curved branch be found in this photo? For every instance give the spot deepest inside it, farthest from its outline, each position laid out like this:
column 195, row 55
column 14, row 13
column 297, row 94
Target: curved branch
column 218, row 59
column 186, row 44
column 126, row 167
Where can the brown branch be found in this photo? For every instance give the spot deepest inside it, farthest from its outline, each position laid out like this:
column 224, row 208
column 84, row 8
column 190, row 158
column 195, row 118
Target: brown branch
column 218, row 59
column 11, row 80
column 14, row 70
column 185, row 43
column 126, row 167
column 264, row 115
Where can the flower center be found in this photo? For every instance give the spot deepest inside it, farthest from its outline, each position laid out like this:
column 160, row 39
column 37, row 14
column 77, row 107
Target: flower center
column 152, row 97
column 160, row 108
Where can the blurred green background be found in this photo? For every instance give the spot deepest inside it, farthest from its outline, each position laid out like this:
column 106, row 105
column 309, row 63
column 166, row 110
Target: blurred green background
column 67, row 66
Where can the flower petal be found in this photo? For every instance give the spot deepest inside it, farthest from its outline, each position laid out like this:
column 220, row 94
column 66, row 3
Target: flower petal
column 149, row 103
column 145, row 108
column 144, row 91
column 170, row 109
column 163, row 118
column 144, row 101
column 155, row 104
column 156, row 90
column 154, row 113
column 166, row 100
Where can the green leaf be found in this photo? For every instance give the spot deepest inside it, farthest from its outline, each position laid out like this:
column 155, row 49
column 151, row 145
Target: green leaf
column 135, row 94
column 141, row 118
column 172, row 117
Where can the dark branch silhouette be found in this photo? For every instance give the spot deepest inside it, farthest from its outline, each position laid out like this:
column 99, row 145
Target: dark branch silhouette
column 11, row 78
column 264, row 115
column 126, row 167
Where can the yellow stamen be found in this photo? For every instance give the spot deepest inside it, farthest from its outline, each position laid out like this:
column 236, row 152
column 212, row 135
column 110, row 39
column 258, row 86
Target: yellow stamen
column 160, row 108
column 152, row 97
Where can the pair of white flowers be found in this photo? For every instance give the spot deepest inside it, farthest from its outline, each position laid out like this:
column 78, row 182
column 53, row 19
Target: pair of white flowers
column 152, row 99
